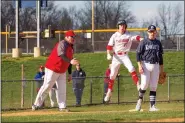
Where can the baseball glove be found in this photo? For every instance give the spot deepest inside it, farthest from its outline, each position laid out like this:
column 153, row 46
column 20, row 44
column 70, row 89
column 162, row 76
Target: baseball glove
column 162, row 78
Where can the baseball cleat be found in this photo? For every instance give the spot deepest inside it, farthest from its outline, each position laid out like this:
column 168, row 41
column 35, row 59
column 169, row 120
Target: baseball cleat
column 136, row 110
column 52, row 105
column 153, row 108
column 34, row 107
column 107, row 97
column 64, row 110
column 138, row 106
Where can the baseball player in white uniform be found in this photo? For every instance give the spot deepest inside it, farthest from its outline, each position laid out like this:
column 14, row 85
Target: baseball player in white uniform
column 120, row 43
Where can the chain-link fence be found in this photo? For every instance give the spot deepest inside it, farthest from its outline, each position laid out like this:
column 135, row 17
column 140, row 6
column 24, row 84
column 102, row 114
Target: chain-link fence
column 83, row 44
column 124, row 92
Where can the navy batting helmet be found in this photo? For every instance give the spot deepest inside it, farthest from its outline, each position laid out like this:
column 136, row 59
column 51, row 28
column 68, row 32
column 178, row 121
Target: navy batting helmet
column 120, row 22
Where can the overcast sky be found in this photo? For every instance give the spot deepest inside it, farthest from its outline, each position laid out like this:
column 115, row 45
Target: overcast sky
column 141, row 9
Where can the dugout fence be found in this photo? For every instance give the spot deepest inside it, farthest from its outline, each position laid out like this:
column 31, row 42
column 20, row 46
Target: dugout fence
column 20, row 94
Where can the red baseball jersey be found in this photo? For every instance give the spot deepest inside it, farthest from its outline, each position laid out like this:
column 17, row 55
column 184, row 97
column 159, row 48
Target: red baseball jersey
column 55, row 62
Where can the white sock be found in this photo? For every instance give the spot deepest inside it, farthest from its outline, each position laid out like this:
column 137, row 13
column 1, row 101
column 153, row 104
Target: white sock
column 109, row 90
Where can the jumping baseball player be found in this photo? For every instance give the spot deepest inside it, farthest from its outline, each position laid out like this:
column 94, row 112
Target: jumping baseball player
column 55, row 71
column 150, row 64
column 120, row 42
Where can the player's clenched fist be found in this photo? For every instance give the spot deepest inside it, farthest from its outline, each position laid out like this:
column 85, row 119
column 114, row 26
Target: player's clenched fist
column 74, row 61
column 109, row 57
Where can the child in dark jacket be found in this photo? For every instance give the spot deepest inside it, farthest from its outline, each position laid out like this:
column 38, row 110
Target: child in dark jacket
column 78, row 78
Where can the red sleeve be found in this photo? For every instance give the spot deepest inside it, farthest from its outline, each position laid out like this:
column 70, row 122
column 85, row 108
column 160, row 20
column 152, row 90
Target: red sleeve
column 107, row 73
column 138, row 38
column 109, row 47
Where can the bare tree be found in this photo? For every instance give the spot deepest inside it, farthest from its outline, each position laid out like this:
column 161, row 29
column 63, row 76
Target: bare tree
column 171, row 18
column 27, row 21
column 50, row 15
column 7, row 15
column 107, row 13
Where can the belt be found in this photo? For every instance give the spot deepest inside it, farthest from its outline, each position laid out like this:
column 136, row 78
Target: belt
column 151, row 62
column 120, row 53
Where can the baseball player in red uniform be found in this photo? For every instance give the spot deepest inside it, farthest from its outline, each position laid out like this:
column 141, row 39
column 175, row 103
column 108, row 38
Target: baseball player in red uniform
column 120, row 43
column 55, row 71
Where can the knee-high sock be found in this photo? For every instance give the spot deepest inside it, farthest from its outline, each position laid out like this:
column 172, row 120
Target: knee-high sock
column 111, row 84
column 135, row 77
column 152, row 97
column 141, row 93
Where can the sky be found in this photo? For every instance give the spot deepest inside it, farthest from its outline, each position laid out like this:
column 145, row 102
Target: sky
column 141, row 9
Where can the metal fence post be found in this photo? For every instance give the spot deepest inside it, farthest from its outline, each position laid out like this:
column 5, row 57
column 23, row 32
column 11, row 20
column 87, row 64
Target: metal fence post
column 27, row 44
column 179, row 43
column 32, row 91
column 118, row 87
column 168, row 89
column 59, row 36
column 22, row 87
column 91, row 92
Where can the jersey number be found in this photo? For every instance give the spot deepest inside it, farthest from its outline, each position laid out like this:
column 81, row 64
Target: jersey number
column 125, row 44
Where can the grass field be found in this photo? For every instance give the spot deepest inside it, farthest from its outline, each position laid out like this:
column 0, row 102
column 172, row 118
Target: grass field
column 94, row 64
column 170, row 112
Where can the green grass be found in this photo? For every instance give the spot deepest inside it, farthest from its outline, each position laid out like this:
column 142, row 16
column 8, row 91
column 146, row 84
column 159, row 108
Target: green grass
column 94, row 64
column 100, row 113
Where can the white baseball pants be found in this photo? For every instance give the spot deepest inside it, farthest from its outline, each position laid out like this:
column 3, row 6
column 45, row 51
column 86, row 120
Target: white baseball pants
column 52, row 96
column 150, row 76
column 116, row 61
column 49, row 80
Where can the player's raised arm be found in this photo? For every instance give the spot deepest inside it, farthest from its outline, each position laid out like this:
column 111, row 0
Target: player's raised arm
column 137, row 38
column 110, row 48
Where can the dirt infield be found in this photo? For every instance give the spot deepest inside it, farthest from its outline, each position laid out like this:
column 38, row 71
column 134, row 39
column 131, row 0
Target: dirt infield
column 165, row 120
column 41, row 112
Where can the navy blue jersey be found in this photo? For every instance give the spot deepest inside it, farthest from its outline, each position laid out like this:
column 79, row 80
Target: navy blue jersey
column 150, row 51
column 78, row 82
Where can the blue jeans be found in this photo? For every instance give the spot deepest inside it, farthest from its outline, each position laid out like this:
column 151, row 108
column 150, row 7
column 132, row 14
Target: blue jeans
column 78, row 93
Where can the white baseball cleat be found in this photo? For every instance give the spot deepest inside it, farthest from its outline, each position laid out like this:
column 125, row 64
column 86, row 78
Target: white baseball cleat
column 52, row 105
column 34, row 107
column 135, row 110
column 153, row 108
column 138, row 107
column 64, row 109
column 108, row 96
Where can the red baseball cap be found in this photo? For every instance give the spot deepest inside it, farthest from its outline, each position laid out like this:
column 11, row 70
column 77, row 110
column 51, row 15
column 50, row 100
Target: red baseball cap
column 69, row 33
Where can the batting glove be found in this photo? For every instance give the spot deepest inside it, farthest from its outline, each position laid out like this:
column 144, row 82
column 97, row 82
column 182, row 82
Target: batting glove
column 109, row 57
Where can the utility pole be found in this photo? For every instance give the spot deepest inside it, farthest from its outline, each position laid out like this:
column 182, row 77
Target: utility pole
column 16, row 52
column 38, row 22
column 93, row 25
column 37, row 51
column 17, row 24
